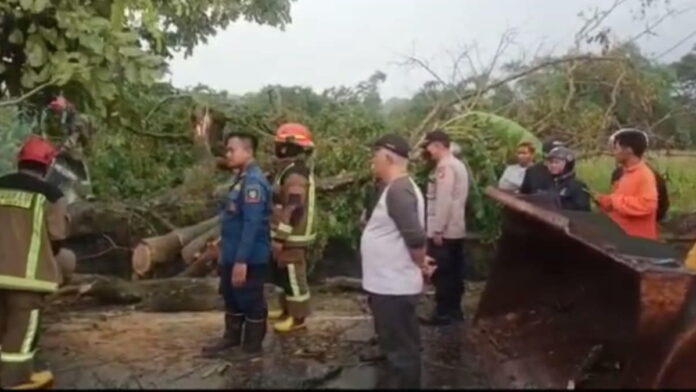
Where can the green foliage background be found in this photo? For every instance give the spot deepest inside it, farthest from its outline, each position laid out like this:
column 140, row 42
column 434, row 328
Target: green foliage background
column 108, row 58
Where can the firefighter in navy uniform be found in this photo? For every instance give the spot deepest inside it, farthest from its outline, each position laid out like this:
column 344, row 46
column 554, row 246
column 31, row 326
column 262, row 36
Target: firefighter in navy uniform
column 245, row 250
column 33, row 223
column 292, row 225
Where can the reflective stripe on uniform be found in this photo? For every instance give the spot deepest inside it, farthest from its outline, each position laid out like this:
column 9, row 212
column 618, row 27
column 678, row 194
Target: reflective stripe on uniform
column 282, row 227
column 15, row 283
column 30, row 335
column 17, row 357
column 296, row 239
column 296, row 296
column 309, row 235
column 36, row 231
column 28, row 282
column 17, row 199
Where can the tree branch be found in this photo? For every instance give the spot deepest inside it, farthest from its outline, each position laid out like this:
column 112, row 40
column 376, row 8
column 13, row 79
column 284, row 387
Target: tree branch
column 159, row 135
column 18, row 100
column 550, row 63
column 159, row 104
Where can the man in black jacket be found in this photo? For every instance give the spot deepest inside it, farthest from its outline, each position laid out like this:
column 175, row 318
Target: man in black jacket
column 537, row 178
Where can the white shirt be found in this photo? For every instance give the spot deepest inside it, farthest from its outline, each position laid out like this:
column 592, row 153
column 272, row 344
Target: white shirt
column 387, row 266
column 512, row 178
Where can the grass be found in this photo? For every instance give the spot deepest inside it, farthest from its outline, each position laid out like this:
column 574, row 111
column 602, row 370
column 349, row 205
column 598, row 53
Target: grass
column 679, row 171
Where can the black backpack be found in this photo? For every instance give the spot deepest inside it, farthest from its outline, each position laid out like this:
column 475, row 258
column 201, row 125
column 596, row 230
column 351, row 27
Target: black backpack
column 662, row 194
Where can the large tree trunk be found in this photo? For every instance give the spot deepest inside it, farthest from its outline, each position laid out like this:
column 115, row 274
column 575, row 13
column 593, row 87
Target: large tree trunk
column 165, row 248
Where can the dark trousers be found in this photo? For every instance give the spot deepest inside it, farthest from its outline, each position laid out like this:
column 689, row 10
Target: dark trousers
column 396, row 326
column 448, row 278
column 247, row 299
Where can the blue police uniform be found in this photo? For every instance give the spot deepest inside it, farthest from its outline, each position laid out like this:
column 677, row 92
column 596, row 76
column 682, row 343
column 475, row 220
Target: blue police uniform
column 245, row 238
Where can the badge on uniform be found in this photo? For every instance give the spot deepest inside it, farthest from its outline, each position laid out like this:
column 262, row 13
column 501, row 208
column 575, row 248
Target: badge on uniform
column 252, row 195
column 231, row 207
column 441, row 173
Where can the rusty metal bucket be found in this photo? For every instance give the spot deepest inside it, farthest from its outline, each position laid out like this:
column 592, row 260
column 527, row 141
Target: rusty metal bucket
column 572, row 302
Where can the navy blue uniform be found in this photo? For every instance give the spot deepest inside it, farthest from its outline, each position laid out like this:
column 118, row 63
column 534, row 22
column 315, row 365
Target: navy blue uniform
column 245, row 238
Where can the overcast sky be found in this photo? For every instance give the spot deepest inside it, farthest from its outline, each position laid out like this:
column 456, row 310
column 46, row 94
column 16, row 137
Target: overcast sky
column 341, row 42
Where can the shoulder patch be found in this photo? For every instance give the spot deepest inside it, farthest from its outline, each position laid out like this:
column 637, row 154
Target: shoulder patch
column 252, row 194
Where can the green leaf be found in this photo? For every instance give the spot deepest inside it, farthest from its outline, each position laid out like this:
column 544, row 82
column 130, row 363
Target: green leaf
column 44, row 74
column 131, row 73
column 28, row 79
column 63, row 72
column 50, row 35
column 111, row 54
column 103, row 75
column 130, row 51
column 16, row 37
column 40, row 5
column 93, row 42
column 126, row 36
column 117, row 14
column 26, row 4
column 35, row 51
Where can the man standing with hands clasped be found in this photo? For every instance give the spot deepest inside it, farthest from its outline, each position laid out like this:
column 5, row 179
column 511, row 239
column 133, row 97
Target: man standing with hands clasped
column 245, row 250
column 448, row 188
column 394, row 263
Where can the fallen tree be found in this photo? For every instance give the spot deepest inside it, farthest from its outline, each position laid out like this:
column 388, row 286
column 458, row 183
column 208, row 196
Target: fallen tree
column 157, row 295
column 165, row 248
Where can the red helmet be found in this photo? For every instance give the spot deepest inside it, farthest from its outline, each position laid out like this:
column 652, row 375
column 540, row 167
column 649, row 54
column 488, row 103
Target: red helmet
column 294, row 133
column 37, row 149
column 60, row 103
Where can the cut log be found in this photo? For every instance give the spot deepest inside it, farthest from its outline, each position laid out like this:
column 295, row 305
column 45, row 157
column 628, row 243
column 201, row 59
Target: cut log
column 157, row 295
column 165, row 248
column 195, row 248
column 204, row 263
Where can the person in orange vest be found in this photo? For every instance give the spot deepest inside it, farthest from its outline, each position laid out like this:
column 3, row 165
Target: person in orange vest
column 33, row 224
column 632, row 203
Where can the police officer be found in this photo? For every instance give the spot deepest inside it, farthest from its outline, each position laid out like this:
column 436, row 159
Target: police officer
column 448, row 188
column 33, row 223
column 245, row 250
column 292, row 225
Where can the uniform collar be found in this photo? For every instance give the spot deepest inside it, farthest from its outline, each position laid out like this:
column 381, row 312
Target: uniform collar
column 249, row 168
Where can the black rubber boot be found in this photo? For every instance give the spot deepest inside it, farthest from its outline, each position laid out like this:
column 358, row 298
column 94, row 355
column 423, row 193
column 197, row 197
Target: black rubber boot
column 232, row 337
column 254, row 333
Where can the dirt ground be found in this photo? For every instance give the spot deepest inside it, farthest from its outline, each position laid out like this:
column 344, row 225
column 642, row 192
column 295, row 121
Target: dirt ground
column 123, row 348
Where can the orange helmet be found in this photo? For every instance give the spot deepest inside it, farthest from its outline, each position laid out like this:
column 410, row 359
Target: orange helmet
column 294, row 133
column 37, row 149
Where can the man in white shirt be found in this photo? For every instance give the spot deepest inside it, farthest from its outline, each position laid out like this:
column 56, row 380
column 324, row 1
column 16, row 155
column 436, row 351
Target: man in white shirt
column 394, row 262
column 512, row 177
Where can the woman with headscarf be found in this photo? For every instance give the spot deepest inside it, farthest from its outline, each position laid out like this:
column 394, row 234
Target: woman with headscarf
column 570, row 192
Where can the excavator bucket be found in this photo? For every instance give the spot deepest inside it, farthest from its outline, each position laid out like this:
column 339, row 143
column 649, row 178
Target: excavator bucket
column 573, row 302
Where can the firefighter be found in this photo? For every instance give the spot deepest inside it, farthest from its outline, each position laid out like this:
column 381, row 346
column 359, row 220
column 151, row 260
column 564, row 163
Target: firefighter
column 245, row 250
column 292, row 225
column 33, row 217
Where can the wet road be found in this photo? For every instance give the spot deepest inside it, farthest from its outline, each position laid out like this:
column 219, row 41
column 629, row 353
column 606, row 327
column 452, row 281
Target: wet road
column 134, row 350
